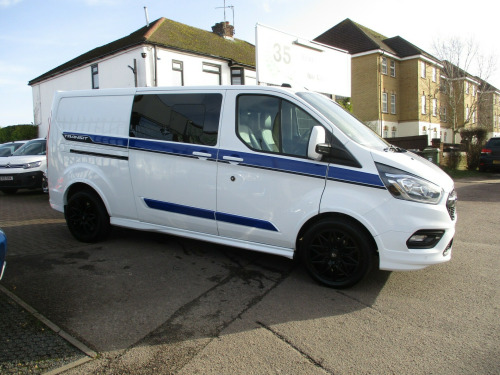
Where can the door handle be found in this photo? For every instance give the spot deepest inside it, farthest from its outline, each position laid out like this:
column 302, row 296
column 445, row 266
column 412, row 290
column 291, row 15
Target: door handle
column 202, row 154
column 233, row 159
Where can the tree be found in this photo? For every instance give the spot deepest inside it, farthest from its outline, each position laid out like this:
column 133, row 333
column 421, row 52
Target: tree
column 462, row 92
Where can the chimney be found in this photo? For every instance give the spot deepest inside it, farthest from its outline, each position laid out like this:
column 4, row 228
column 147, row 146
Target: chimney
column 224, row 29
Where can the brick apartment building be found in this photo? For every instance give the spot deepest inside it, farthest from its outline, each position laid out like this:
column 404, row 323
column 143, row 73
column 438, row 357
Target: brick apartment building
column 400, row 90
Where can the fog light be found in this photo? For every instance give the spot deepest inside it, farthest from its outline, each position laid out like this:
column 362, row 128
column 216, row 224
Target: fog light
column 424, row 239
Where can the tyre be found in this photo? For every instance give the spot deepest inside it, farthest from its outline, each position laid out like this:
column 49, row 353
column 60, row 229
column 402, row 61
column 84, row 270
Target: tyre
column 336, row 252
column 9, row 191
column 86, row 217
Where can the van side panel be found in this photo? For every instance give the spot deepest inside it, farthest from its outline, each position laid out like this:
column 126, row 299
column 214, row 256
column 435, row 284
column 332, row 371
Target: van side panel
column 88, row 144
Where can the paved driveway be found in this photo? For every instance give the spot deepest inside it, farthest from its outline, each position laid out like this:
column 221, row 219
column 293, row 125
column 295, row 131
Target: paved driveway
column 152, row 303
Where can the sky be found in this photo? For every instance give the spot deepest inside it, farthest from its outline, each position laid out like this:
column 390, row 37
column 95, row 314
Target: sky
column 38, row 35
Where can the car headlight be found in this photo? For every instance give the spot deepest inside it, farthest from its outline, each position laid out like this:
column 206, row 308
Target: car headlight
column 33, row 164
column 403, row 185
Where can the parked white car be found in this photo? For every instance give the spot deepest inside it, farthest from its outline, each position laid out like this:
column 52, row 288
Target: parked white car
column 261, row 168
column 24, row 168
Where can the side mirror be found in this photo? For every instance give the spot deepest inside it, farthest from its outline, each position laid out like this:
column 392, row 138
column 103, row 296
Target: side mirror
column 317, row 138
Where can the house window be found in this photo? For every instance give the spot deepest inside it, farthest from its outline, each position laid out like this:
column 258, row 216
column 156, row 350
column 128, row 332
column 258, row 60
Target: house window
column 423, row 104
column 393, row 68
column 213, row 76
column 95, row 76
column 474, row 117
column 386, row 132
column 466, row 87
column 434, row 107
column 237, row 76
column 393, row 104
column 384, row 65
column 467, row 113
column 443, row 114
column 422, row 69
column 384, row 102
column 434, row 74
column 393, row 132
column 473, row 90
column 177, row 73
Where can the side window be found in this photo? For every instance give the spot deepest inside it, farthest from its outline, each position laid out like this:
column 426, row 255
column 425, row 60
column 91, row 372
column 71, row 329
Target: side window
column 270, row 124
column 186, row 118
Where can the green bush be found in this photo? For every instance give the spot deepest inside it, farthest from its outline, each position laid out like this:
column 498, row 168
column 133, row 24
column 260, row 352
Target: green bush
column 18, row 133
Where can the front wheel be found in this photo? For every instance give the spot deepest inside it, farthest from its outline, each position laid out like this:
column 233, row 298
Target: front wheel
column 86, row 217
column 336, row 252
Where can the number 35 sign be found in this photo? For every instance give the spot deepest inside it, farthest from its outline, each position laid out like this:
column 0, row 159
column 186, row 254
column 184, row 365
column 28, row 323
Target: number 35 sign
column 283, row 58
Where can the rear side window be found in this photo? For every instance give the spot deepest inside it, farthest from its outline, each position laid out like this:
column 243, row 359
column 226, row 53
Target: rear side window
column 186, row 118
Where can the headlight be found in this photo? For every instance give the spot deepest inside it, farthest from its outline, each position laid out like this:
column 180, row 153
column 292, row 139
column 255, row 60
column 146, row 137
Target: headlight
column 32, row 165
column 403, row 185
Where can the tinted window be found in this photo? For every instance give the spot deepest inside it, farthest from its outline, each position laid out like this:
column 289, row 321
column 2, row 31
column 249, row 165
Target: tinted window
column 270, row 124
column 187, row 118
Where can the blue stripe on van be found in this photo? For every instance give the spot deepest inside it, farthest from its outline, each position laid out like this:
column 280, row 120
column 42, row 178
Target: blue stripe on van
column 209, row 214
column 96, row 139
column 252, row 160
column 245, row 221
column 355, row 177
column 171, row 148
column 180, row 209
column 276, row 163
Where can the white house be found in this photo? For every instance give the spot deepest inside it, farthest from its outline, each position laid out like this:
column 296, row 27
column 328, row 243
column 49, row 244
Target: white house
column 165, row 53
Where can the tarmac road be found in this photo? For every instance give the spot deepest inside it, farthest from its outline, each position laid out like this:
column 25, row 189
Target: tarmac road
column 150, row 303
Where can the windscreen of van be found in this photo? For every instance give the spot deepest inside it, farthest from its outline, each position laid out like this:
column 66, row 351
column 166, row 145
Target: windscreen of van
column 186, row 118
column 348, row 124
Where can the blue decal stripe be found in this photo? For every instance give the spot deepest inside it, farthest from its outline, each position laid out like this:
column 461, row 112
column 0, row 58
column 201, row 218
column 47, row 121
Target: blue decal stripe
column 355, row 177
column 245, row 221
column 276, row 163
column 209, row 214
column 96, row 139
column 252, row 160
column 172, row 148
column 180, row 209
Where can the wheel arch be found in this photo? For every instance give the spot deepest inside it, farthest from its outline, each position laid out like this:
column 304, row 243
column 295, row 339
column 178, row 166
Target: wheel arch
column 82, row 186
column 327, row 215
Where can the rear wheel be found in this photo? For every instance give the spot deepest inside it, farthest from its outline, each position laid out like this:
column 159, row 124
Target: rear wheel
column 336, row 252
column 86, row 216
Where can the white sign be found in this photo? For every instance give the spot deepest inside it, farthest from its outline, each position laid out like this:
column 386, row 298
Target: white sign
column 283, row 58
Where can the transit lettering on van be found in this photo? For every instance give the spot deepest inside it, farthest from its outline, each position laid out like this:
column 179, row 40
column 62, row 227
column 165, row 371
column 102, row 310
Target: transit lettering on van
column 261, row 168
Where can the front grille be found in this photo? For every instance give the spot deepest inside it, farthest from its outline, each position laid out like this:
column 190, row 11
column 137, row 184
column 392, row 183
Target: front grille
column 6, row 166
column 451, row 204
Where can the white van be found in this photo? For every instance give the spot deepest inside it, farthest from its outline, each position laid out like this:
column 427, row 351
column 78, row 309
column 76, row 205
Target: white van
column 260, row 168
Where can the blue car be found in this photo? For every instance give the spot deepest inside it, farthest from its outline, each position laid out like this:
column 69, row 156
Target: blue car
column 3, row 251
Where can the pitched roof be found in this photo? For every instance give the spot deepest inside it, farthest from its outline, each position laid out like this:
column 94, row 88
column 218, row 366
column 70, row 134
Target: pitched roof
column 169, row 34
column 357, row 38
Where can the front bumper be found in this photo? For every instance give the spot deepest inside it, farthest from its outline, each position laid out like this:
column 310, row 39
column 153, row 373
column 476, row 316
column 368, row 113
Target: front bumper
column 27, row 180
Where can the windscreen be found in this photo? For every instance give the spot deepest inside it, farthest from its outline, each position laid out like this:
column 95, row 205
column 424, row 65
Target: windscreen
column 344, row 121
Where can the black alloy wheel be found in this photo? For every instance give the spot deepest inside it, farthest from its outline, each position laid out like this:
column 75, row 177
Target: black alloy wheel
column 86, row 217
column 336, row 252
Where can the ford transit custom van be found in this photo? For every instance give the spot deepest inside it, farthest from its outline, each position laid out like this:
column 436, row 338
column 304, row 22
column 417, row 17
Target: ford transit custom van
column 260, row 168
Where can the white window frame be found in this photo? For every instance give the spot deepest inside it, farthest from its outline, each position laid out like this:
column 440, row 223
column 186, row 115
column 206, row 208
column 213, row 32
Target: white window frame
column 384, row 65
column 434, row 74
column 422, row 69
column 423, row 103
column 434, row 107
column 393, row 104
column 393, row 68
column 384, row 102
